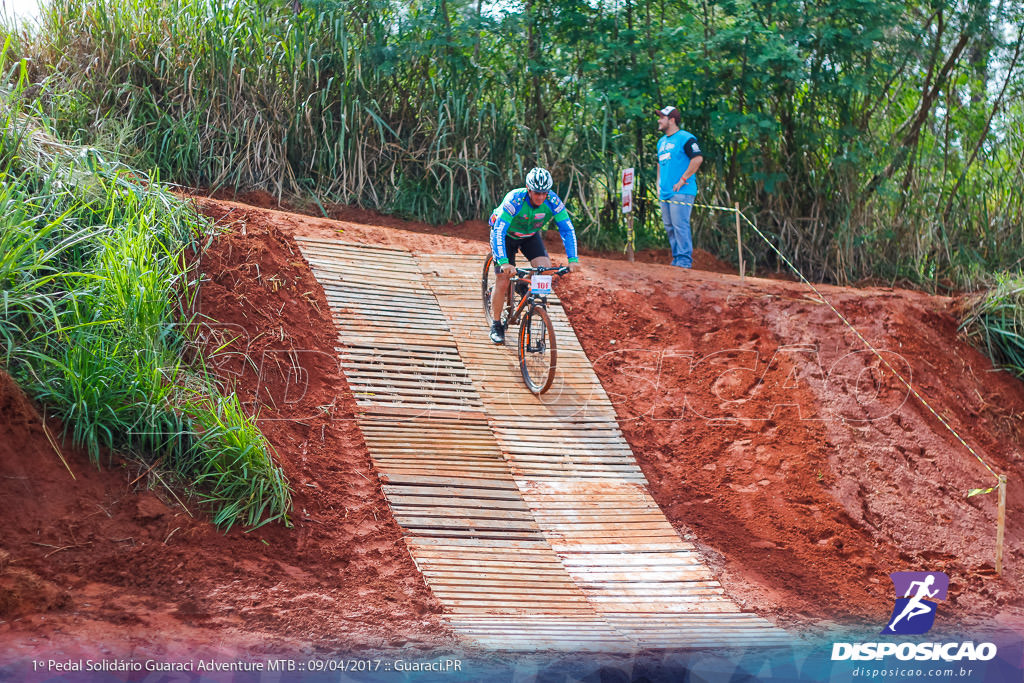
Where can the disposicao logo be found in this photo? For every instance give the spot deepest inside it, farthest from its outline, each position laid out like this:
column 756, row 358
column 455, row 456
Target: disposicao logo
column 913, row 614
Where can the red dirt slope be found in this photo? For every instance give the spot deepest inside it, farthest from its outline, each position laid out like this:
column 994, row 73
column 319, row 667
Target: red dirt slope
column 762, row 439
column 800, row 464
column 753, row 412
column 100, row 563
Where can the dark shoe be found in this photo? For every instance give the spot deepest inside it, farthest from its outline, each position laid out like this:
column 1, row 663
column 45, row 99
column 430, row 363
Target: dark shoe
column 497, row 332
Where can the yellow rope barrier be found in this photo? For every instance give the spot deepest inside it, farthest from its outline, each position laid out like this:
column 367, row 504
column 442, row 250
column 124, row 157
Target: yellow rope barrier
column 699, row 206
column 924, row 402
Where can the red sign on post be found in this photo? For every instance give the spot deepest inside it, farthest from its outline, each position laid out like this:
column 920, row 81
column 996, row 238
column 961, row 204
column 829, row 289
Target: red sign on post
column 627, row 208
column 627, row 190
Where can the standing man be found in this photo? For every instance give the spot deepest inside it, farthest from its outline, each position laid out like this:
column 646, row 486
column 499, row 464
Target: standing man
column 679, row 157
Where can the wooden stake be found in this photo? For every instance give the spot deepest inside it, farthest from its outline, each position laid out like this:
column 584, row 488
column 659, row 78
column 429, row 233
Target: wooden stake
column 739, row 241
column 630, row 237
column 1000, row 523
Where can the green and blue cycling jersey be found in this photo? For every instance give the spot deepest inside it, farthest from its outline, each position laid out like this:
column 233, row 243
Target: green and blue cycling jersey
column 517, row 218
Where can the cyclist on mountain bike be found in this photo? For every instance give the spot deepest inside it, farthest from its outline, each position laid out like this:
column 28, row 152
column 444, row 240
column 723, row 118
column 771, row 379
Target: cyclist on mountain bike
column 515, row 226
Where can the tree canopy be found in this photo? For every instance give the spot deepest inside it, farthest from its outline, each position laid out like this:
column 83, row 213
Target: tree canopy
column 871, row 138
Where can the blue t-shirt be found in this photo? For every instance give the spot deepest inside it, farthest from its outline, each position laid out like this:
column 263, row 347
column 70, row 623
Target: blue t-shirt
column 674, row 154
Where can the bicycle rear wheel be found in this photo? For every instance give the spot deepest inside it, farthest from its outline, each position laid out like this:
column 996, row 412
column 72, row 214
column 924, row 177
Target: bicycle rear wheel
column 487, row 287
column 537, row 351
column 487, row 281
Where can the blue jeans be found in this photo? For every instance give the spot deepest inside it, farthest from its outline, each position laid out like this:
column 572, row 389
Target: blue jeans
column 675, row 214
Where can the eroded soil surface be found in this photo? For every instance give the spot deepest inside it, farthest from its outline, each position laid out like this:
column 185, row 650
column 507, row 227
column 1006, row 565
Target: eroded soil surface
column 801, row 467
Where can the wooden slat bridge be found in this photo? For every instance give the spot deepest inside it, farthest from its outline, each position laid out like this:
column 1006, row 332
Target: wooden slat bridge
column 528, row 516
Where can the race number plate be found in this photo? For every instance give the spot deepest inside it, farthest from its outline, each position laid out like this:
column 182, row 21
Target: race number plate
column 541, row 285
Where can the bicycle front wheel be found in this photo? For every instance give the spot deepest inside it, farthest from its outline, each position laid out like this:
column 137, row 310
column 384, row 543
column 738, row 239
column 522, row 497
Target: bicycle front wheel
column 537, row 351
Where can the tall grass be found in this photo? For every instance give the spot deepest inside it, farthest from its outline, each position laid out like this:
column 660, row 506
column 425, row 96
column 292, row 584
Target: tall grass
column 216, row 93
column 994, row 321
column 93, row 273
column 432, row 110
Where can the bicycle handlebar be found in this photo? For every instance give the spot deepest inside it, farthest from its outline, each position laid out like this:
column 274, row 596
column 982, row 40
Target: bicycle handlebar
column 557, row 270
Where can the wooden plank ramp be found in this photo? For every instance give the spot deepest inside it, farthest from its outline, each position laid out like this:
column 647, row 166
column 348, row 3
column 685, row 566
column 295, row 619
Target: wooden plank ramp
column 528, row 517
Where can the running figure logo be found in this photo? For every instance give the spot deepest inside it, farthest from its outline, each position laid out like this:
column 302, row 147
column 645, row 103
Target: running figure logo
column 915, row 611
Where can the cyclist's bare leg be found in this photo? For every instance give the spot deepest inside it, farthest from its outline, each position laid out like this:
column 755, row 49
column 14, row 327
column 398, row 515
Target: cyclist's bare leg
column 500, row 294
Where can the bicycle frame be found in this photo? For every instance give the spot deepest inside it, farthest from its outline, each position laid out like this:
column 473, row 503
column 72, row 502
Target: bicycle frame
column 530, row 299
column 537, row 347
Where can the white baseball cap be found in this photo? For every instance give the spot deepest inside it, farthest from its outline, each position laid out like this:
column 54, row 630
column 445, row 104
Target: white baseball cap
column 667, row 111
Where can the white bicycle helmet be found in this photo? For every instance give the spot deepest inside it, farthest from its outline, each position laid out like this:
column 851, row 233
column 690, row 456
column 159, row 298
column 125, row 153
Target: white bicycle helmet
column 538, row 180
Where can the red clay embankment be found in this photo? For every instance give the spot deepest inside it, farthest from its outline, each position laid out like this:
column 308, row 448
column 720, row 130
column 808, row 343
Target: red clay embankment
column 795, row 462
column 101, row 564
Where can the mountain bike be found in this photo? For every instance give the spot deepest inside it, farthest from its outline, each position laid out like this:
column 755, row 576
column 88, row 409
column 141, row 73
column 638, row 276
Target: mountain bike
column 526, row 304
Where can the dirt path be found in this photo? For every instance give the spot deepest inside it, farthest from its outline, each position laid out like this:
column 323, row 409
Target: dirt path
column 761, row 437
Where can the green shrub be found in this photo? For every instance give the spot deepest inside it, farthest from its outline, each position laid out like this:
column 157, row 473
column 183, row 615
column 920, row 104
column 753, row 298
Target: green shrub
column 994, row 321
column 93, row 273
